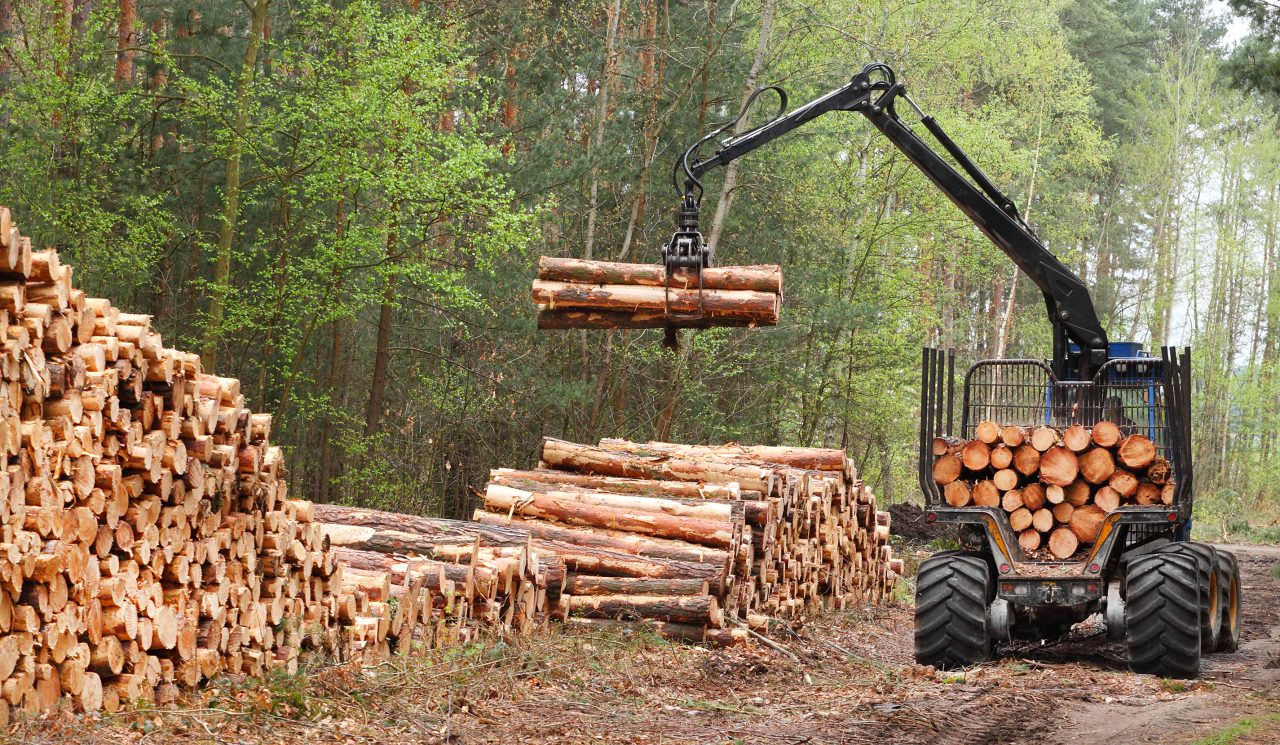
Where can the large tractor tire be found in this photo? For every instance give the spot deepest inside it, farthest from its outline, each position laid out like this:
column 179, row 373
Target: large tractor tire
column 1206, row 559
column 1162, row 615
column 952, row 593
column 1229, row 582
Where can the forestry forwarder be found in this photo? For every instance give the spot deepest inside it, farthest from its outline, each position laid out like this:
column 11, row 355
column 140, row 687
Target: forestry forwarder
column 1167, row 597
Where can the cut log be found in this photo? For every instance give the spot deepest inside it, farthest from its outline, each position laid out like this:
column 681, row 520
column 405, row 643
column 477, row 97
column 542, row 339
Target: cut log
column 1136, row 452
column 1159, row 471
column 956, row 494
column 642, row 487
column 947, row 468
column 761, row 278
column 1078, row 493
column 586, row 459
column 988, row 432
column 561, row 319
column 1123, row 482
column 1005, row 479
column 1076, row 438
column 1055, row 494
column 697, row 609
column 1058, row 465
column 616, row 541
column 1147, row 494
column 1001, row 457
column 976, row 455
column 1012, row 500
column 583, row 584
column 1044, row 438
column 985, row 494
column 1086, row 522
column 1012, row 436
column 1026, row 460
column 1020, row 519
column 1105, row 434
column 944, row 445
column 488, row 535
column 1033, row 496
column 558, row 507
column 1062, row 512
column 1063, row 543
column 743, row 305
column 1029, row 539
column 1097, row 465
column 1042, row 520
column 1107, row 499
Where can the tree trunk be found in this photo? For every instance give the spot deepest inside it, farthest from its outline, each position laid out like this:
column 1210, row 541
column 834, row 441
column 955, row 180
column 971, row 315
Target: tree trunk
column 731, row 170
column 231, row 186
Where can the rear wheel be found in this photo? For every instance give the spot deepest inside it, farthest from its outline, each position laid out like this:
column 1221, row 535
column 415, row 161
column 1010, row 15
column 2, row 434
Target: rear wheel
column 1229, row 579
column 1162, row 615
column 952, row 592
column 1206, row 559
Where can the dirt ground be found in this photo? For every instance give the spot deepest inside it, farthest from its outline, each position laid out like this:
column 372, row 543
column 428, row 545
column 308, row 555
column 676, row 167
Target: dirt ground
column 845, row 678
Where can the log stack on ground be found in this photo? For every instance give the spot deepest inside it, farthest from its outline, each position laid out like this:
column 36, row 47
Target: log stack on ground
column 148, row 538
column 450, row 578
column 698, row 540
column 579, row 293
column 1057, row 485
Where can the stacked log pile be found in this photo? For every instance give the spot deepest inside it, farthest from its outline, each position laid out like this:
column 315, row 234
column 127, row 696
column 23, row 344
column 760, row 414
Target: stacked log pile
column 578, row 293
column 148, row 538
column 449, row 578
column 698, row 540
column 1057, row 485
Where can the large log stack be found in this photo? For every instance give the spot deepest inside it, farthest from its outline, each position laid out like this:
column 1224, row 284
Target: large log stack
column 579, row 293
column 697, row 540
column 148, row 539
column 1057, row 485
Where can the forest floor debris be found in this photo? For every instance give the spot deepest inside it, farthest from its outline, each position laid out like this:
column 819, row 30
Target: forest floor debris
column 853, row 681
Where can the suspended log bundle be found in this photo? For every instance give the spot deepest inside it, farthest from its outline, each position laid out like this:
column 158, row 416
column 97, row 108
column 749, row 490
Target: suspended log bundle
column 1057, row 485
column 692, row 541
column 579, row 293
column 148, row 538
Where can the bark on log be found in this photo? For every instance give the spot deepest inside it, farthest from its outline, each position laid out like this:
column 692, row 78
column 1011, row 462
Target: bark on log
column 761, row 278
column 744, row 305
column 584, row 584
column 707, row 532
column 584, row 458
column 489, row 535
column 617, row 541
column 695, row 609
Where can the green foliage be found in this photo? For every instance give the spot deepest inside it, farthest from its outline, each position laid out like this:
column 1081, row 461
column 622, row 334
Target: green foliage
column 404, row 164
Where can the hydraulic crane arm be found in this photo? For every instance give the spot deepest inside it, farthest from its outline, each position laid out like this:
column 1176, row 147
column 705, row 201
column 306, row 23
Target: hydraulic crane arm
column 873, row 93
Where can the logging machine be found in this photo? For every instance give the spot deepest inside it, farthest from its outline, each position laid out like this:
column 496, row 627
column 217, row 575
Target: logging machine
column 1168, row 598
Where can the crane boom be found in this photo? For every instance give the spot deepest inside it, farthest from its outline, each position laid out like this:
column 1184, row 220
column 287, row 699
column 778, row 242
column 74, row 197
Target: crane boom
column 873, row 92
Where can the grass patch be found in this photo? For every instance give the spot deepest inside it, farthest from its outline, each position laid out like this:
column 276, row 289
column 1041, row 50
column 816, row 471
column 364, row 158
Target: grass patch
column 1236, row 730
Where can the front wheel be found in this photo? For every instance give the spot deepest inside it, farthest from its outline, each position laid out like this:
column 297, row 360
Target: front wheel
column 952, row 592
column 1162, row 615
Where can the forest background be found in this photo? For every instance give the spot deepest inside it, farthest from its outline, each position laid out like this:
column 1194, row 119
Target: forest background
column 341, row 203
